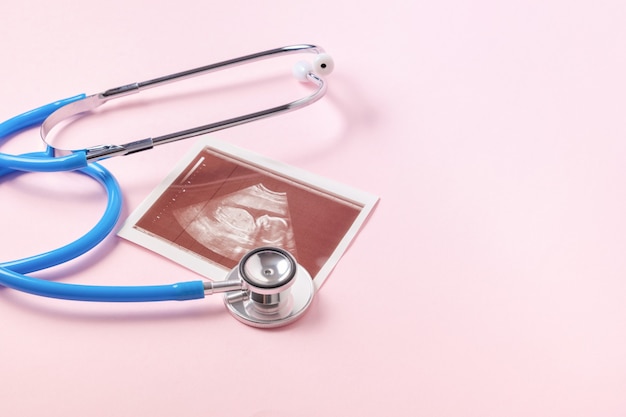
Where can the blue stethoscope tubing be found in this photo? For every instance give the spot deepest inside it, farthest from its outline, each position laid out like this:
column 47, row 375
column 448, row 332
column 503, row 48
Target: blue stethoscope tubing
column 13, row 273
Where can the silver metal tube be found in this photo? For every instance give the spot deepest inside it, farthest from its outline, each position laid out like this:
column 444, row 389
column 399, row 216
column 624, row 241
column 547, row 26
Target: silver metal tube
column 230, row 63
column 106, row 151
column 211, row 287
column 247, row 118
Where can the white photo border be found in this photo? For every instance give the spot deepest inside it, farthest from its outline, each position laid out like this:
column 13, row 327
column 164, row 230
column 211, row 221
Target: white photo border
column 214, row 271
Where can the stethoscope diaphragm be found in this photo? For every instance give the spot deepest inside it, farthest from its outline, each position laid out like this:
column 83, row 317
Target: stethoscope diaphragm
column 277, row 290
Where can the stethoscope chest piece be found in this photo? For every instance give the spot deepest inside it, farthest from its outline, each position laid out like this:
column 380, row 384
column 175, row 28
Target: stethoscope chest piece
column 276, row 292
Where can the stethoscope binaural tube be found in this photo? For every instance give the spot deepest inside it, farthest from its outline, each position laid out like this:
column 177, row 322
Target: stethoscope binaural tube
column 38, row 161
column 304, row 71
column 51, row 115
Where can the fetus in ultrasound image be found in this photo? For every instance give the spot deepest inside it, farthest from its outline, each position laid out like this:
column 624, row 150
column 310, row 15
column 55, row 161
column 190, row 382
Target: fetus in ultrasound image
column 238, row 222
column 219, row 208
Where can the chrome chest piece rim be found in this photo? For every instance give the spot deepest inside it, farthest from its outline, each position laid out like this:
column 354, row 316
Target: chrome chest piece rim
column 278, row 290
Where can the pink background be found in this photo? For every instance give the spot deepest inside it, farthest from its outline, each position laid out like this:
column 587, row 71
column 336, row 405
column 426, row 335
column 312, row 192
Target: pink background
column 490, row 281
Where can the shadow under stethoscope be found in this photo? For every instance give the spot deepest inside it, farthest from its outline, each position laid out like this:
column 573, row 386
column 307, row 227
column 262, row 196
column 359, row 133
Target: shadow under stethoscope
column 356, row 113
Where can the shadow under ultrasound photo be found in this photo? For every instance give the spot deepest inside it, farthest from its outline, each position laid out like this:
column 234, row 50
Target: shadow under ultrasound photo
column 219, row 207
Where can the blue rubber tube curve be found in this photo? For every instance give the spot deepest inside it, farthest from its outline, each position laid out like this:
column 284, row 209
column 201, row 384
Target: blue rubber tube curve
column 12, row 273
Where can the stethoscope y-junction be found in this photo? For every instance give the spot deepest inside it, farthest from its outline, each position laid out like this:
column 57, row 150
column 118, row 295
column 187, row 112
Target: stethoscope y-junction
column 267, row 289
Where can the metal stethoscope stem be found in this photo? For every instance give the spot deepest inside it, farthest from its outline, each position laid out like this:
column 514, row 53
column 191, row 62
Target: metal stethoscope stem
column 322, row 66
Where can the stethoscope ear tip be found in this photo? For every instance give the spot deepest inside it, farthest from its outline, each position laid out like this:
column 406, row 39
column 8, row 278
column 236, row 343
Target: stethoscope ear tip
column 322, row 65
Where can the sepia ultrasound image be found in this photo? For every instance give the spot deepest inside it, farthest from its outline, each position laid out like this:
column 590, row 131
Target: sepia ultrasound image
column 221, row 207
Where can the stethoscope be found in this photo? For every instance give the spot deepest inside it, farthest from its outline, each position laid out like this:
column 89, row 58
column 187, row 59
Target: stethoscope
column 268, row 288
